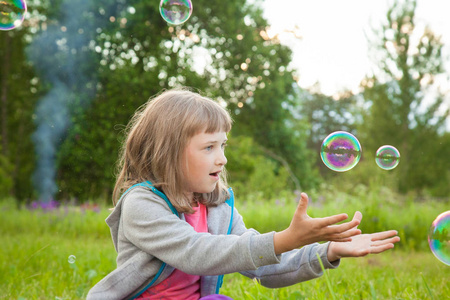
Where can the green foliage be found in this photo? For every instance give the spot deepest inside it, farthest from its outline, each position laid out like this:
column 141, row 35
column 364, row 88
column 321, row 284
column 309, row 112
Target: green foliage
column 268, row 119
column 19, row 90
column 400, row 114
column 224, row 52
column 324, row 115
column 163, row 56
column 365, row 173
column 265, row 181
column 251, row 172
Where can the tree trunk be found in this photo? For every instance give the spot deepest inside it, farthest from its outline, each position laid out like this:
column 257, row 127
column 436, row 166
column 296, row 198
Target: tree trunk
column 4, row 91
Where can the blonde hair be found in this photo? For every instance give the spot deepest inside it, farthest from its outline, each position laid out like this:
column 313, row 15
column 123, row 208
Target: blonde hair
column 157, row 136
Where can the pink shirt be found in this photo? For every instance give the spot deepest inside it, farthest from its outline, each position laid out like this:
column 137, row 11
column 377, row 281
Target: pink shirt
column 179, row 285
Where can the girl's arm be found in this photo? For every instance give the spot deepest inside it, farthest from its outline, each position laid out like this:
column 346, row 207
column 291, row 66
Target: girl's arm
column 305, row 230
column 295, row 266
column 148, row 224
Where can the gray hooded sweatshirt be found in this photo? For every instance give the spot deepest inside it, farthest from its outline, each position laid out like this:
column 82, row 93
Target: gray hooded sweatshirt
column 152, row 239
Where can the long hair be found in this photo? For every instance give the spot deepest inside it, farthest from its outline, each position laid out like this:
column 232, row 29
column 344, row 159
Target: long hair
column 156, row 139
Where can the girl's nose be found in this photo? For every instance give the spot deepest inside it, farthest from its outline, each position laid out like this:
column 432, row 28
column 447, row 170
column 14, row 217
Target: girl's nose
column 221, row 160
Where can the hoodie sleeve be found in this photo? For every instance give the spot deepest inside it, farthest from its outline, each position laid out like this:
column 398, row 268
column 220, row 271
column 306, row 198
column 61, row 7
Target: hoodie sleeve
column 149, row 224
column 295, row 266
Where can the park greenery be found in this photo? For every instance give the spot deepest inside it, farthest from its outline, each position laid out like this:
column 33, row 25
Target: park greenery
column 74, row 73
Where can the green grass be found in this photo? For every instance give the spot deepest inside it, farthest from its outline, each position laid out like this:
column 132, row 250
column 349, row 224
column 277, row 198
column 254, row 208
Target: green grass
column 36, row 246
column 396, row 274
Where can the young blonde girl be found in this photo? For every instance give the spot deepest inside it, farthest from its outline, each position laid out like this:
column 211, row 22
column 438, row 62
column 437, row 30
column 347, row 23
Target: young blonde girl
column 175, row 228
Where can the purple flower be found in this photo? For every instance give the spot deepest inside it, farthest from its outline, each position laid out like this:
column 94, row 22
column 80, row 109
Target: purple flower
column 44, row 205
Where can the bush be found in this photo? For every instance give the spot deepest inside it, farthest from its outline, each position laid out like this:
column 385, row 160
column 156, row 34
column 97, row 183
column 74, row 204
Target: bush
column 250, row 172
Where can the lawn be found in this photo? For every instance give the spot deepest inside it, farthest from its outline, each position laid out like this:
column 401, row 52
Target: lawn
column 37, row 246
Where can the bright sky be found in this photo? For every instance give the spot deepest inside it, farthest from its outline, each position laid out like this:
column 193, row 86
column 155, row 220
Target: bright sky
column 333, row 47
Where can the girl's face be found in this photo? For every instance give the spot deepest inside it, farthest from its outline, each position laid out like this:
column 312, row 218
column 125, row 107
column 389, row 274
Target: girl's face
column 203, row 160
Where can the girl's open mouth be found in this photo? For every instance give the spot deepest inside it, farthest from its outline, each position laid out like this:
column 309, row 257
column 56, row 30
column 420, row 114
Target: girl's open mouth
column 215, row 175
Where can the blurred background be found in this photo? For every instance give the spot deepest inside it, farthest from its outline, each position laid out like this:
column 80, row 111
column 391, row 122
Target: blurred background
column 290, row 73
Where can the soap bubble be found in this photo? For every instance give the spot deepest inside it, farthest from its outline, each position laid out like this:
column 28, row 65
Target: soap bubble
column 439, row 237
column 175, row 12
column 72, row 259
column 12, row 13
column 387, row 157
column 340, row 151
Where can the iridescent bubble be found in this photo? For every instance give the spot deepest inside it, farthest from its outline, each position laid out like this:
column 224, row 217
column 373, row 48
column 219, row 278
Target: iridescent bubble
column 340, row 151
column 175, row 12
column 387, row 157
column 71, row 259
column 439, row 237
column 12, row 13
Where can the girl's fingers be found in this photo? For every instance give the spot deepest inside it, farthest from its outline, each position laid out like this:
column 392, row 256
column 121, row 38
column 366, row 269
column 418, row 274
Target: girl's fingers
column 344, row 227
column 345, row 235
column 382, row 248
column 383, row 235
column 357, row 216
column 386, row 241
column 331, row 220
column 303, row 204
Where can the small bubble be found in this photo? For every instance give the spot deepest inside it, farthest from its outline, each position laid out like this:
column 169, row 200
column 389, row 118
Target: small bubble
column 175, row 12
column 71, row 259
column 387, row 157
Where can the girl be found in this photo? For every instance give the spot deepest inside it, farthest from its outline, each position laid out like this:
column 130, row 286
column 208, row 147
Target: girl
column 175, row 227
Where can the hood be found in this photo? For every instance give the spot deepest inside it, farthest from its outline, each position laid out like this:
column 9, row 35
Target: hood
column 113, row 221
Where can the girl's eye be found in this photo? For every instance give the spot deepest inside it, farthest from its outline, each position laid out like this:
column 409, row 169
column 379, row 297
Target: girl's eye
column 209, row 148
column 224, row 145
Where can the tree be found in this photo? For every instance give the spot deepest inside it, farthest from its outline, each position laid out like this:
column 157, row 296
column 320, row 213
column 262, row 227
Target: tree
column 400, row 113
column 20, row 89
column 222, row 51
column 324, row 115
column 5, row 180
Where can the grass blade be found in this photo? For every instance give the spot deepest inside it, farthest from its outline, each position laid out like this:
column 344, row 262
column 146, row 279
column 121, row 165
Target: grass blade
column 428, row 288
column 326, row 276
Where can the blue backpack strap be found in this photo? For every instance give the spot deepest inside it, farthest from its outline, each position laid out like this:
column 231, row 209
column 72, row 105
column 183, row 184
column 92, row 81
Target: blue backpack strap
column 230, row 202
column 149, row 185
column 162, row 195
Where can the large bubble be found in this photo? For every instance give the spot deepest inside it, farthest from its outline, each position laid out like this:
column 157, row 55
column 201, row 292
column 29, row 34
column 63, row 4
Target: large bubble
column 340, row 151
column 175, row 12
column 12, row 13
column 387, row 157
column 439, row 237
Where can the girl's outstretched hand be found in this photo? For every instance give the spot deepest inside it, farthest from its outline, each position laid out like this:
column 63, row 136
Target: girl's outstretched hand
column 363, row 244
column 305, row 230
